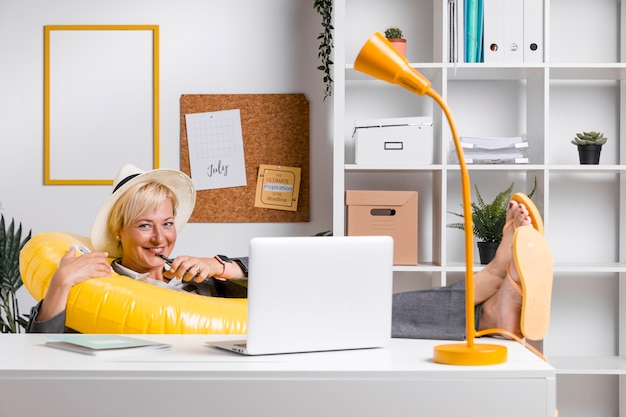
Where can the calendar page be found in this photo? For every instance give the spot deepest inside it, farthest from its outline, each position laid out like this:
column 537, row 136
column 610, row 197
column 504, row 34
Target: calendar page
column 216, row 155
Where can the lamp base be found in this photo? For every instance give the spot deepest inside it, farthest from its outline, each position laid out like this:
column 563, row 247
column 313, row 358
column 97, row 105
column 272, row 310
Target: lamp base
column 462, row 354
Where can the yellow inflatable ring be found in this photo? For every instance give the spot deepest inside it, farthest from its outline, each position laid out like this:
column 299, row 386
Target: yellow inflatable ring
column 117, row 304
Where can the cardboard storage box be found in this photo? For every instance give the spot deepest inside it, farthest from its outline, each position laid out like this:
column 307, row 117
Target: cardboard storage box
column 386, row 213
column 407, row 140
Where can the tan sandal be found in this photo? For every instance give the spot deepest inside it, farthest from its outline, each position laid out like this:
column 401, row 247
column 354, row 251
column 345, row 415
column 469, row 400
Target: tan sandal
column 533, row 261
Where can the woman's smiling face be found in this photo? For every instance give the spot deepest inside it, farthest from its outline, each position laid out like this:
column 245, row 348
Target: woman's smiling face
column 152, row 232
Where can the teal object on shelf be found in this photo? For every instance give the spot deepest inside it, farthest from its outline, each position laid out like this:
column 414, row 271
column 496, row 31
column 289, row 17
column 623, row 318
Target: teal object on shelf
column 474, row 30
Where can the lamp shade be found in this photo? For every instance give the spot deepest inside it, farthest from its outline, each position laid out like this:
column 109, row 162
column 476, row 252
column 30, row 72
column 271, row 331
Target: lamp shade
column 381, row 60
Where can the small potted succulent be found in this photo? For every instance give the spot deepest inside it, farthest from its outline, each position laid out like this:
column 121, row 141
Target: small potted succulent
column 488, row 220
column 589, row 146
column 396, row 38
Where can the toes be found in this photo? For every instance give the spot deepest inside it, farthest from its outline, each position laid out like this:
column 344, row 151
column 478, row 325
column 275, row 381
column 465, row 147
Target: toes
column 523, row 216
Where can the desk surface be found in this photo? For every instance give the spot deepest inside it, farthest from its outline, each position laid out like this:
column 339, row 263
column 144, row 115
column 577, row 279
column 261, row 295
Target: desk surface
column 401, row 377
column 193, row 353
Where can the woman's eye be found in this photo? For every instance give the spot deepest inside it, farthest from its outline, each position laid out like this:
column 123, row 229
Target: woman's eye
column 168, row 224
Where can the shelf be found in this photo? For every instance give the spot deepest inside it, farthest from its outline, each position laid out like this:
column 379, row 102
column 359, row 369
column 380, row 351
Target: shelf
column 569, row 268
column 610, row 169
column 422, row 267
column 462, row 72
column 572, row 169
column 615, row 71
column 480, row 71
column 430, row 71
column 598, row 268
column 578, row 87
column 588, row 365
column 392, row 168
column 460, row 267
column 432, row 267
column 498, row 167
column 598, row 169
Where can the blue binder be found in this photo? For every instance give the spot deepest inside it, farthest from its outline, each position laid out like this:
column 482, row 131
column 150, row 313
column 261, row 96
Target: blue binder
column 473, row 30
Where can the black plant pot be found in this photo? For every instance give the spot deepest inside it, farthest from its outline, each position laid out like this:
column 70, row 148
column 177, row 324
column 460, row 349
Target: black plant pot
column 487, row 251
column 589, row 154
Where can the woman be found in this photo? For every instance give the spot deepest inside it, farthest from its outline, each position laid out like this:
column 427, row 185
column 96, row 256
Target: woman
column 138, row 226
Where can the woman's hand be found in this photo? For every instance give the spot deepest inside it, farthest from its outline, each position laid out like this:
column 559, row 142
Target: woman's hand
column 76, row 269
column 198, row 269
column 72, row 270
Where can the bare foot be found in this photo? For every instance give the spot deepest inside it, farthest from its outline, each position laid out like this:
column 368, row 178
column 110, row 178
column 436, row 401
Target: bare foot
column 517, row 215
column 489, row 279
column 504, row 309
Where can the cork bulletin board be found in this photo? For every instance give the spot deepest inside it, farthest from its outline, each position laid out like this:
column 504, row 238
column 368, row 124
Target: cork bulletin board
column 275, row 129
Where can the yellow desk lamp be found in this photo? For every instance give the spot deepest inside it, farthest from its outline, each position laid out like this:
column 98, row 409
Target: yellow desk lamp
column 379, row 59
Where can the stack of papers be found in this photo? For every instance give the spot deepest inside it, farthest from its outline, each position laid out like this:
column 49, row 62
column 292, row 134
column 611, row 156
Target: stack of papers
column 493, row 150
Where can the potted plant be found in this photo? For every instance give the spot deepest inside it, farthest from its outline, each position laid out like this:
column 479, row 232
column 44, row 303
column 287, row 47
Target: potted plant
column 396, row 38
column 589, row 146
column 11, row 243
column 488, row 221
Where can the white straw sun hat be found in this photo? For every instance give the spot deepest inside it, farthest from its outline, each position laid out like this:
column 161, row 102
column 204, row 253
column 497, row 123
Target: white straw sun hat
column 101, row 237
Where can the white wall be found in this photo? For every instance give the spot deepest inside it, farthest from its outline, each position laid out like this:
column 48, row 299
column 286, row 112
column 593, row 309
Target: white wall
column 206, row 47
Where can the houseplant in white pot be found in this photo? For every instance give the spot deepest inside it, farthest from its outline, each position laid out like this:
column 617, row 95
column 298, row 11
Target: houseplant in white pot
column 589, row 146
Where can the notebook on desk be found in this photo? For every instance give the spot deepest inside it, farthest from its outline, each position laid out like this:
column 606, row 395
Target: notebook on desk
column 309, row 294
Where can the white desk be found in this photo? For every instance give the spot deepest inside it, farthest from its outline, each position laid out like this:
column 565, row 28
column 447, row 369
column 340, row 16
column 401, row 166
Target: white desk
column 192, row 380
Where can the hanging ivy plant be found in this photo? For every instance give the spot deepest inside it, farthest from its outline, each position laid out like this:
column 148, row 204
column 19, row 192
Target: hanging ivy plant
column 325, row 9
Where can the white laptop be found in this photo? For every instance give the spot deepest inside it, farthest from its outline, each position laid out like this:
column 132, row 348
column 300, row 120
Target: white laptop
column 309, row 294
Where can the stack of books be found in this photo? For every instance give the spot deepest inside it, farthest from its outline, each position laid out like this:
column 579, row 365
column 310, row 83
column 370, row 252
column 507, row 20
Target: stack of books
column 493, row 150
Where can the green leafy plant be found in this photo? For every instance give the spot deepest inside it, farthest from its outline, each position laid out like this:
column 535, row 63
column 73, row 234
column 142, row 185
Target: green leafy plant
column 11, row 243
column 589, row 138
column 489, row 218
column 325, row 50
column 393, row 32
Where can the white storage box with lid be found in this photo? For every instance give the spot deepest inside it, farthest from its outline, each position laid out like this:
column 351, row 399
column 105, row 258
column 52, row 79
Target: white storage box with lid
column 406, row 140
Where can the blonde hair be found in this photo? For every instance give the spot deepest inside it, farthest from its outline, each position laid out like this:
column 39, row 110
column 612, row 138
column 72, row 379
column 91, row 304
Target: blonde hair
column 137, row 200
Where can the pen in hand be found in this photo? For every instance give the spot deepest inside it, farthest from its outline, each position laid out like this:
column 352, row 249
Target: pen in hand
column 169, row 262
column 165, row 258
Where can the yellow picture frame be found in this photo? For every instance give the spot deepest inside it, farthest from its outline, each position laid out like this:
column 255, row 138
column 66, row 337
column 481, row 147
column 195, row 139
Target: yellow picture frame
column 101, row 101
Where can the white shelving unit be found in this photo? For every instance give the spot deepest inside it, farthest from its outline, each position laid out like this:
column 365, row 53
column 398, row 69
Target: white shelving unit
column 578, row 87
